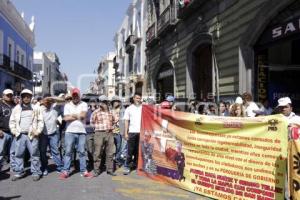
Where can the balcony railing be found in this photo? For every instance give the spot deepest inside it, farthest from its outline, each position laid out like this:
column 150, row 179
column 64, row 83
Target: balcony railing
column 22, row 71
column 129, row 44
column 189, row 8
column 5, row 62
column 166, row 20
column 151, row 35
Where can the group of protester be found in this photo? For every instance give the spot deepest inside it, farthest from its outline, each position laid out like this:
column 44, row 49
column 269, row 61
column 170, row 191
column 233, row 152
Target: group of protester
column 72, row 128
column 244, row 106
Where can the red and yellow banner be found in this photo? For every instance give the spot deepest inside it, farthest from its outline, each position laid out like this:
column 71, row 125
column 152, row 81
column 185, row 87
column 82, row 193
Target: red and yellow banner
column 218, row 157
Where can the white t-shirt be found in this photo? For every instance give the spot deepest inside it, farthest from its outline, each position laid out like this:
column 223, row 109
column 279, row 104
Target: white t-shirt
column 134, row 114
column 293, row 118
column 76, row 126
column 250, row 108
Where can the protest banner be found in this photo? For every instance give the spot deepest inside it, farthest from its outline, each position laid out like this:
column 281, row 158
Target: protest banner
column 218, row 157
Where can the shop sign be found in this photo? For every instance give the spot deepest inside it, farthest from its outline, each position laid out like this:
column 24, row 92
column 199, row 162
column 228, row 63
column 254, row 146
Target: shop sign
column 262, row 79
column 280, row 31
column 286, row 29
column 165, row 74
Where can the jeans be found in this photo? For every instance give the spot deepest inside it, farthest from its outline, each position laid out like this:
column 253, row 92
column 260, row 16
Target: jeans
column 53, row 142
column 7, row 146
column 132, row 150
column 21, row 143
column 118, row 144
column 75, row 140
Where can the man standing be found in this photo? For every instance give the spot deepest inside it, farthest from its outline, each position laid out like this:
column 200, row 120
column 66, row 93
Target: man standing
column 132, row 117
column 285, row 108
column 26, row 123
column 75, row 135
column 6, row 138
column 102, row 120
column 50, row 135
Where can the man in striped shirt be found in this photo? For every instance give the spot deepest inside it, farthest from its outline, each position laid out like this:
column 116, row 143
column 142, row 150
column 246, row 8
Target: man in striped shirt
column 102, row 120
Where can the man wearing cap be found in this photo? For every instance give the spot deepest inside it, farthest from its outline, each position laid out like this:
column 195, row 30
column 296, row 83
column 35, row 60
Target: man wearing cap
column 6, row 138
column 26, row 124
column 75, row 134
column 285, row 108
column 102, row 120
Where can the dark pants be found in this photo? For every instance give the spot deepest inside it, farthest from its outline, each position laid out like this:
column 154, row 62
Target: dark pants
column 90, row 150
column 132, row 150
column 104, row 139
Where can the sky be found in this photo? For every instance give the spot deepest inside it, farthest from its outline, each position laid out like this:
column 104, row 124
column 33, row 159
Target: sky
column 80, row 32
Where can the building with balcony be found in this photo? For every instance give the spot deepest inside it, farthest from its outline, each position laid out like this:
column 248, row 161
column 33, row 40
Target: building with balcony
column 218, row 49
column 48, row 79
column 130, row 44
column 16, row 49
column 105, row 81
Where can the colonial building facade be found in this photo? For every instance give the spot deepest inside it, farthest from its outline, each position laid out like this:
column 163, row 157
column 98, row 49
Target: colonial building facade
column 47, row 77
column 130, row 45
column 105, row 81
column 16, row 49
column 218, row 49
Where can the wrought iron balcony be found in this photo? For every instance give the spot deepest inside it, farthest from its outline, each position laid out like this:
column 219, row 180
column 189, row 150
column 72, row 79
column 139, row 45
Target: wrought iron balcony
column 151, row 35
column 22, row 71
column 166, row 20
column 129, row 44
column 5, row 62
column 188, row 8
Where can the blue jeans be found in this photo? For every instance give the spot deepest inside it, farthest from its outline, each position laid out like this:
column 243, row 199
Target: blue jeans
column 118, row 144
column 21, row 143
column 7, row 144
column 75, row 140
column 53, row 142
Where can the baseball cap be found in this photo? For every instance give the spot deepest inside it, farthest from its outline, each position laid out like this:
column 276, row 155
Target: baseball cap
column 8, row 91
column 75, row 91
column 170, row 98
column 26, row 91
column 103, row 98
column 239, row 100
column 284, row 101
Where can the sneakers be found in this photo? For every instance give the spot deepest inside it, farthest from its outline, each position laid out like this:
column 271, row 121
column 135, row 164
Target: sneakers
column 126, row 171
column 111, row 173
column 45, row 173
column 63, row 175
column 36, row 177
column 17, row 176
column 87, row 174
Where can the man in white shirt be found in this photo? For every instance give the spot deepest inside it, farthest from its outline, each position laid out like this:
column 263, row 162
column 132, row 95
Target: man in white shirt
column 75, row 136
column 285, row 108
column 132, row 117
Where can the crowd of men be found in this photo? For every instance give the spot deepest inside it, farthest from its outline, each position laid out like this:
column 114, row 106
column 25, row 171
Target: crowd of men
column 69, row 128
column 98, row 131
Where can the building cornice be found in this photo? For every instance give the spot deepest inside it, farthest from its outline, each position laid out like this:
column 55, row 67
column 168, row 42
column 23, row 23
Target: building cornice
column 8, row 10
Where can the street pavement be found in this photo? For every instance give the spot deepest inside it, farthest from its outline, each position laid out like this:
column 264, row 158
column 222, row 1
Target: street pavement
column 104, row 187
